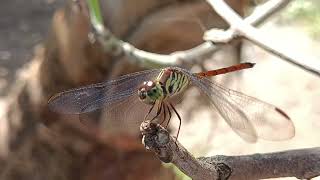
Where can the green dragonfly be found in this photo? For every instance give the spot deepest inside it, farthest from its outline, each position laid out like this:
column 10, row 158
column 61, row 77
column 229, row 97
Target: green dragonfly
column 152, row 94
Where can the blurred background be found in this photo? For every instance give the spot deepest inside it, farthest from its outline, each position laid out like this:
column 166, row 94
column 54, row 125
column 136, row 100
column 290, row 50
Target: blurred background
column 44, row 49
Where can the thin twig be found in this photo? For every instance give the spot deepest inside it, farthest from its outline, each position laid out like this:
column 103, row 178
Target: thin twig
column 302, row 163
column 116, row 47
column 263, row 12
column 242, row 29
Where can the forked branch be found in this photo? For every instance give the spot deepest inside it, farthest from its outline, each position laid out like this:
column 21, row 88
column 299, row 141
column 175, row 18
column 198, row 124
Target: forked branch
column 302, row 163
column 241, row 28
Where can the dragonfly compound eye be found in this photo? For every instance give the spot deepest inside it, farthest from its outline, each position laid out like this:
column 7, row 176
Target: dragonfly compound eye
column 147, row 92
column 142, row 93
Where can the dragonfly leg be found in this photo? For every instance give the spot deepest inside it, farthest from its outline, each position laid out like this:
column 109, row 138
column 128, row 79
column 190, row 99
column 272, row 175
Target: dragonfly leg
column 164, row 113
column 145, row 117
column 174, row 109
column 158, row 111
column 168, row 108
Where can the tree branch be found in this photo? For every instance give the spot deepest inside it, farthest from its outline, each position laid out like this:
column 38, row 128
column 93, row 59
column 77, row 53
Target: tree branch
column 302, row 163
column 116, row 47
column 263, row 12
column 240, row 28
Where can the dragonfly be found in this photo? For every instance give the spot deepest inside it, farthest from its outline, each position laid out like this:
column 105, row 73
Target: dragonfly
column 150, row 94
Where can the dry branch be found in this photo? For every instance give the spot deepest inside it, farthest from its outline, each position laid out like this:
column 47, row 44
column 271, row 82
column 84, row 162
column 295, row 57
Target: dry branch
column 302, row 163
column 117, row 47
column 240, row 28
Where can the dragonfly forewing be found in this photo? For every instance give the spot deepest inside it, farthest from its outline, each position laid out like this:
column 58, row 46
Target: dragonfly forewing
column 96, row 96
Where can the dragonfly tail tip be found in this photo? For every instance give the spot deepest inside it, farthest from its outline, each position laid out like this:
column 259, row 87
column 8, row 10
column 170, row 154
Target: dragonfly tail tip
column 250, row 64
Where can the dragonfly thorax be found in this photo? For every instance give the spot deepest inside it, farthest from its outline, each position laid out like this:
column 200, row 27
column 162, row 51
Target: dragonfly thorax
column 150, row 91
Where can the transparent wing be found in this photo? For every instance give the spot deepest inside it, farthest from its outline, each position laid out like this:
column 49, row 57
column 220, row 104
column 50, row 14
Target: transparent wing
column 126, row 115
column 108, row 94
column 247, row 116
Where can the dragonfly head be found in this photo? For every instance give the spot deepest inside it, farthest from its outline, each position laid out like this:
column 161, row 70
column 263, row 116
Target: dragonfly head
column 149, row 92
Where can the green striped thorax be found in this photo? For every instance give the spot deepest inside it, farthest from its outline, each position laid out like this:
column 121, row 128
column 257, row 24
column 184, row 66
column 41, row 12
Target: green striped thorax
column 168, row 83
